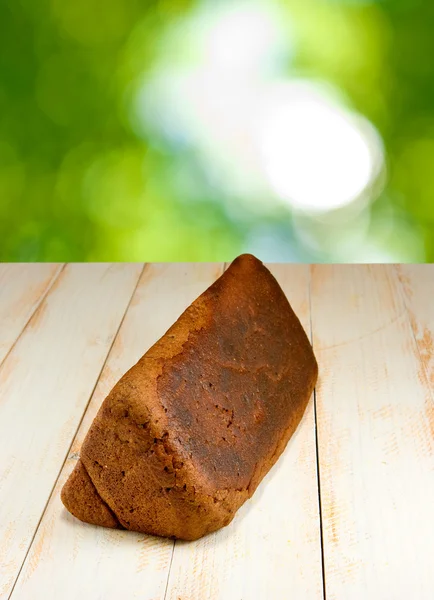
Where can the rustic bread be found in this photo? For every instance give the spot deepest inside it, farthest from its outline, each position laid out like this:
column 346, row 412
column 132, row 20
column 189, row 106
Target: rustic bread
column 188, row 433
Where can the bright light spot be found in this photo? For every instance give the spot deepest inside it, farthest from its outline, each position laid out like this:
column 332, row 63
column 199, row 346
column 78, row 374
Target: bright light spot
column 264, row 139
column 215, row 115
column 317, row 155
column 241, row 37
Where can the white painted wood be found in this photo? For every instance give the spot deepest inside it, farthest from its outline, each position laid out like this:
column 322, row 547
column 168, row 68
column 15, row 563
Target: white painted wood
column 376, row 432
column 418, row 286
column 376, row 446
column 22, row 287
column 272, row 549
column 45, row 384
column 70, row 559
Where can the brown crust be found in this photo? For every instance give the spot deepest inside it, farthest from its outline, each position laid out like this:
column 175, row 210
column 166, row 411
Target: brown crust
column 83, row 501
column 186, row 436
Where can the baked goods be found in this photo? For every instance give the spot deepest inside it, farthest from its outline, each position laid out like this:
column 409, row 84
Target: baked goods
column 188, row 433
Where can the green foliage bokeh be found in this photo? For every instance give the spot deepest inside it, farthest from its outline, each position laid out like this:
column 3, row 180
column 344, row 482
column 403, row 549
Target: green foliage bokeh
column 77, row 184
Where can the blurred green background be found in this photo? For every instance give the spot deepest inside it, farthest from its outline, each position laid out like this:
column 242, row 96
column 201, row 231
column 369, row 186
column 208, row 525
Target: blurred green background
column 299, row 130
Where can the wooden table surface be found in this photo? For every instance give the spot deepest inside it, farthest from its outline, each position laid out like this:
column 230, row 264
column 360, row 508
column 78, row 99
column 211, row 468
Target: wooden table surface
column 346, row 514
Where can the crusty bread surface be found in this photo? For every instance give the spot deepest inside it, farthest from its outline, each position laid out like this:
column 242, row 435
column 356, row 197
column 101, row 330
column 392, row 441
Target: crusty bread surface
column 187, row 434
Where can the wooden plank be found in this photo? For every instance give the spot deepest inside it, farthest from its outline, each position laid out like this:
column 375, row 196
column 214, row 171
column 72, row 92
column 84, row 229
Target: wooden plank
column 22, row 287
column 45, row 384
column 72, row 559
column 272, row 549
column 418, row 286
column 375, row 435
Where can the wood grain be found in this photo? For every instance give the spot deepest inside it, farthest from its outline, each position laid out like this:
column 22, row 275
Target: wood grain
column 45, row 384
column 71, row 559
column 417, row 283
column 22, row 287
column 376, row 448
column 272, row 548
column 373, row 333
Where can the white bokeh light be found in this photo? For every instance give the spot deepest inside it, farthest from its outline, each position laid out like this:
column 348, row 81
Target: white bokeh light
column 317, row 155
column 264, row 138
column 241, row 36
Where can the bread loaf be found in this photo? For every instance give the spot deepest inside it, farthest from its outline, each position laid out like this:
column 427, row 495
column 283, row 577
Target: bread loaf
column 187, row 434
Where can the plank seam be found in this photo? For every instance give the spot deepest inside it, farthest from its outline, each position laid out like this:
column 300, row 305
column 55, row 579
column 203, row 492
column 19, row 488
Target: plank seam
column 318, row 474
column 44, row 295
column 170, row 568
column 75, row 434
